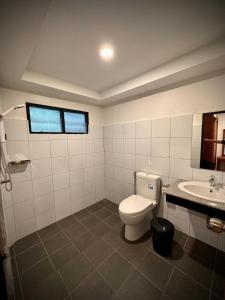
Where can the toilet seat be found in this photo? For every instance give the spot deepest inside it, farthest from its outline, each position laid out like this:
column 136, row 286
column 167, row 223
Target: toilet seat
column 135, row 205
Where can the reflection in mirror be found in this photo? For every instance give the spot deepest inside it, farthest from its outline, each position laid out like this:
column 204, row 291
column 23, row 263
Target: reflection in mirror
column 208, row 141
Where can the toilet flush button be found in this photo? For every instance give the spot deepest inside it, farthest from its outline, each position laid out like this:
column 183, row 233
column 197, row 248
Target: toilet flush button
column 150, row 186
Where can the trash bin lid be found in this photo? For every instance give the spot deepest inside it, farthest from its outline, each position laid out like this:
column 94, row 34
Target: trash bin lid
column 162, row 227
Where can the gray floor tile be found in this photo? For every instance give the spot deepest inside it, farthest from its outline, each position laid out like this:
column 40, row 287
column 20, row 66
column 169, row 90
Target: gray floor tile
column 200, row 249
column 98, row 251
column 63, row 256
column 93, row 288
column 115, row 270
column 36, row 275
column 56, row 242
column 103, row 213
column 84, row 213
column 218, row 284
column 51, row 288
column 113, row 238
column 48, row 231
column 95, row 207
column 113, row 220
column 90, row 221
column 65, row 222
column 75, row 229
column 133, row 252
column 137, row 287
column 196, row 268
column 156, row 269
column 30, row 257
column 100, row 229
column 25, row 243
column 84, row 240
column 182, row 287
column 75, row 271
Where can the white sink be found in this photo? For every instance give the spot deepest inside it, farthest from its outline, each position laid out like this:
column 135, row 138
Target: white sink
column 202, row 190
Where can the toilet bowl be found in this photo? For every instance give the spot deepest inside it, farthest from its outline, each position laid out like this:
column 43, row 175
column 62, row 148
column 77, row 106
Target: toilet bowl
column 135, row 212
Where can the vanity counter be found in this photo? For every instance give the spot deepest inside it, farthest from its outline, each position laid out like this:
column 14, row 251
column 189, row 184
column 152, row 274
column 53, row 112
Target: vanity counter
column 176, row 196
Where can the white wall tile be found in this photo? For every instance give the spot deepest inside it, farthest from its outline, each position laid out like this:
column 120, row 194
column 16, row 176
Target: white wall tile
column 38, row 137
column 25, row 228
column 118, row 131
column 160, row 147
column 88, row 146
column 60, row 181
column 10, row 225
column 108, row 145
column 89, row 192
column 77, row 197
column 88, row 160
column 129, row 146
column 180, row 168
column 39, row 149
column 62, row 203
column 22, row 191
column 59, row 148
column 160, row 166
column 44, row 204
column 6, row 197
column 180, row 148
column 41, row 168
column 109, row 158
column 45, row 219
column 98, row 144
column 118, row 159
column 99, row 158
column 129, row 161
column 128, row 176
column 74, row 147
column 17, row 148
column 42, row 186
column 204, row 175
column 143, row 129
column 143, row 146
column 118, row 145
column 108, row 132
column 76, row 177
column 75, row 162
column 16, row 129
column 24, row 210
column 89, row 174
column 58, row 136
column 60, row 165
column 98, row 132
column 143, row 163
column 129, row 130
column 161, row 127
column 181, row 126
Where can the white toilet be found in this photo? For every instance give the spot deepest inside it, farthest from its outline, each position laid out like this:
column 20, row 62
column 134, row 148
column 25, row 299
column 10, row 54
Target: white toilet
column 136, row 210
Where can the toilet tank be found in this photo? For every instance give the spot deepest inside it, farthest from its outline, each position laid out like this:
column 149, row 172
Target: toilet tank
column 148, row 185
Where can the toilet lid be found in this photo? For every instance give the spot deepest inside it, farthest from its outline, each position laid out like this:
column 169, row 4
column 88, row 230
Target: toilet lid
column 135, row 204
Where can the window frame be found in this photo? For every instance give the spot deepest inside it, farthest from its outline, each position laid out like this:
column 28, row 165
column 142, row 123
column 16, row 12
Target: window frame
column 61, row 111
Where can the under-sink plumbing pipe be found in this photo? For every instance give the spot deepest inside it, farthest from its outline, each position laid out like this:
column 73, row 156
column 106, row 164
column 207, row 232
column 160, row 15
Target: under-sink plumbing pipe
column 215, row 224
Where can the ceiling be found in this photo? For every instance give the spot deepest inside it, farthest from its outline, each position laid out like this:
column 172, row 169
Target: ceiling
column 51, row 47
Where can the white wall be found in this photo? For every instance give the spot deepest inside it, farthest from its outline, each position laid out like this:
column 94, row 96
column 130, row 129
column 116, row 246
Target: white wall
column 203, row 96
column 66, row 172
column 161, row 144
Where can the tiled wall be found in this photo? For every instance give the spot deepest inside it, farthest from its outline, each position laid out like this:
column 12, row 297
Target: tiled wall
column 162, row 147
column 66, row 174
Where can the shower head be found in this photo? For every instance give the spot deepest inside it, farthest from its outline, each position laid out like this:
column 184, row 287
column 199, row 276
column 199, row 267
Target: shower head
column 11, row 109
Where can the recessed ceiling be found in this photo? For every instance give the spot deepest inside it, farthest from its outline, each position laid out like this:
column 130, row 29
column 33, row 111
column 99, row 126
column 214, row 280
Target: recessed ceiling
column 148, row 37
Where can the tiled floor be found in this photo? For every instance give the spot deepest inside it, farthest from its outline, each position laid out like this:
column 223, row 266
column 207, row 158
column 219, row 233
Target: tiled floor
column 85, row 257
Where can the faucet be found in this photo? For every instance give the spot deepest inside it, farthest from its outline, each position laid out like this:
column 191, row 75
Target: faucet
column 213, row 184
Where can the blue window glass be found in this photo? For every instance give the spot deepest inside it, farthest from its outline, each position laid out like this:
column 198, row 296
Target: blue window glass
column 75, row 122
column 45, row 120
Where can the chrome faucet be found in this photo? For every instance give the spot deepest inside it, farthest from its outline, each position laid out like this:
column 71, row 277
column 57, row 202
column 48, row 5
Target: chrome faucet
column 214, row 184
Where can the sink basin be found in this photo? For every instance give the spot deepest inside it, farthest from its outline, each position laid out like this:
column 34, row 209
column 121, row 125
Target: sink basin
column 202, row 190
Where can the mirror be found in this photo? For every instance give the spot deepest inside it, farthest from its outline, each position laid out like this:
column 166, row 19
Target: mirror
column 208, row 141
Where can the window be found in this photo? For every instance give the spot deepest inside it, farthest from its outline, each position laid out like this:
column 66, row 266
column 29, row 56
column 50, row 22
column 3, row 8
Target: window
column 48, row 119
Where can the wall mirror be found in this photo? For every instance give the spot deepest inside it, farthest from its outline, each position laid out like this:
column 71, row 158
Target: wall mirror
column 208, row 141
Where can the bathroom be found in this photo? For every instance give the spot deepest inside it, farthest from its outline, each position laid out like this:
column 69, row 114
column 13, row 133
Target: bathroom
column 89, row 115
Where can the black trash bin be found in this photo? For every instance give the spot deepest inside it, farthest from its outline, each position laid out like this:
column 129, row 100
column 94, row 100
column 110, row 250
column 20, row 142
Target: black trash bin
column 162, row 236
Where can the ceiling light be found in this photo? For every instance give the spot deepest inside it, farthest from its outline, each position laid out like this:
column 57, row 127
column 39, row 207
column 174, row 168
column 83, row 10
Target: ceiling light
column 106, row 52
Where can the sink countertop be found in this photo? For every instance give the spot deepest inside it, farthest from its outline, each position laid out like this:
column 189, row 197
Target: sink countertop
column 174, row 190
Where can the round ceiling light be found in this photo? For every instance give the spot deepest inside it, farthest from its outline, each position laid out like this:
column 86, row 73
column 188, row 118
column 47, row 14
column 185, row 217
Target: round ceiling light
column 106, row 52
